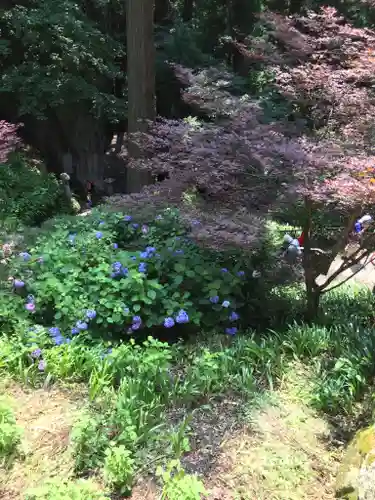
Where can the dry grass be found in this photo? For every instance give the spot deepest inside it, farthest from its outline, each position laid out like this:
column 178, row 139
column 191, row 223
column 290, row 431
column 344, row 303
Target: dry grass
column 280, row 455
column 46, row 417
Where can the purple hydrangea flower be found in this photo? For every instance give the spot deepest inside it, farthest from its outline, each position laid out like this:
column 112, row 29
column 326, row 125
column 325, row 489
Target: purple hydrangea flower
column 36, row 353
column 127, row 218
column 81, row 325
column 30, row 306
column 233, row 316
column 169, row 323
column 18, row 283
column 226, row 303
column 137, row 319
column 136, row 326
column 99, row 235
column 182, row 317
column 144, row 229
column 42, row 365
column 231, row 331
column 90, row 314
column 214, row 299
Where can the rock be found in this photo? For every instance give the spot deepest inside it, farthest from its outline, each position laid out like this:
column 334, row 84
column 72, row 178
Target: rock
column 356, row 477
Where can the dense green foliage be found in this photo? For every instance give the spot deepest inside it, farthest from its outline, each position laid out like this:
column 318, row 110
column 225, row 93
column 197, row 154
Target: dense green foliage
column 28, row 196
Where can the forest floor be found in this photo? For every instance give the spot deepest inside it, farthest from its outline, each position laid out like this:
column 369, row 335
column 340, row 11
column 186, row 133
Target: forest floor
column 272, row 448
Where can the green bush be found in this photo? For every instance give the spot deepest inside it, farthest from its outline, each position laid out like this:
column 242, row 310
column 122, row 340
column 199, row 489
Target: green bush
column 177, row 485
column 119, row 468
column 27, row 195
column 109, row 276
column 10, row 432
column 59, row 489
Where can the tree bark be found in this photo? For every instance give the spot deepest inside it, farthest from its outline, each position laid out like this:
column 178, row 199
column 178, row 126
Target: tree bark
column 188, row 11
column 141, row 80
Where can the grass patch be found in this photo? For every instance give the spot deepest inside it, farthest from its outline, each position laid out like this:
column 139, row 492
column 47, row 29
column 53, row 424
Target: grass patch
column 46, row 418
column 280, row 452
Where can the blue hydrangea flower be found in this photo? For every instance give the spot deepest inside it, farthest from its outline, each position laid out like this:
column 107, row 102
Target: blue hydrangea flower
column 74, row 330
column 81, row 325
column 101, row 222
column 233, row 316
column 241, row 274
column 178, row 252
column 99, row 235
column 31, row 298
column 18, row 283
column 127, row 218
column 158, row 217
column 115, row 246
column 71, row 238
column 231, row 331
column 135, row 226
column 136, row 326
column 214, row 299
column 54, row 331
column 25, row 256
column 42, row 365
column 142, row 268
column 224, row 270
column 137, row 319
column 125, row 271
column 90, row 314
column 226, row 303
column 133, row 257
column 169, row 323
column 126, row 310
column 182, row 317
column 143, row 255
column 150, row 250
column 59, row 340
column 36, row 353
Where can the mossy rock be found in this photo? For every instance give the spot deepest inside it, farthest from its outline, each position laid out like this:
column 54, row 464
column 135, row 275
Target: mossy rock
column 358, row 467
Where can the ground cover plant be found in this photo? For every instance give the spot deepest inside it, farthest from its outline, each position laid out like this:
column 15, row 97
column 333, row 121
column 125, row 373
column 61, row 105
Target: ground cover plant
column 143, row 398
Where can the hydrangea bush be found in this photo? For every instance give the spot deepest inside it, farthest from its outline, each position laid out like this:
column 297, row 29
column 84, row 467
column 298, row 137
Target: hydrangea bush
column 110, row 275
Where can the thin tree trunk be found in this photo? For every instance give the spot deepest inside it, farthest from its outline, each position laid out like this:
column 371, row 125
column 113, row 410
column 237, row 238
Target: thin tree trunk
column 141, row 80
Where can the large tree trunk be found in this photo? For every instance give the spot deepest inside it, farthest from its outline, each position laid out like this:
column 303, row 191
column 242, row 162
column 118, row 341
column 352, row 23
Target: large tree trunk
column 141, row 80
column 188, row 11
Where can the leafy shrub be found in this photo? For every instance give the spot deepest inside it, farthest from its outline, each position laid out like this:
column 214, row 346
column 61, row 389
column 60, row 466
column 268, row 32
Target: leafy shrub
column 10, row 432
column 105, row 274
column 89, row 442
column 59, row 489
column 119, row 468
column 177, row 485
column 27, row 195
